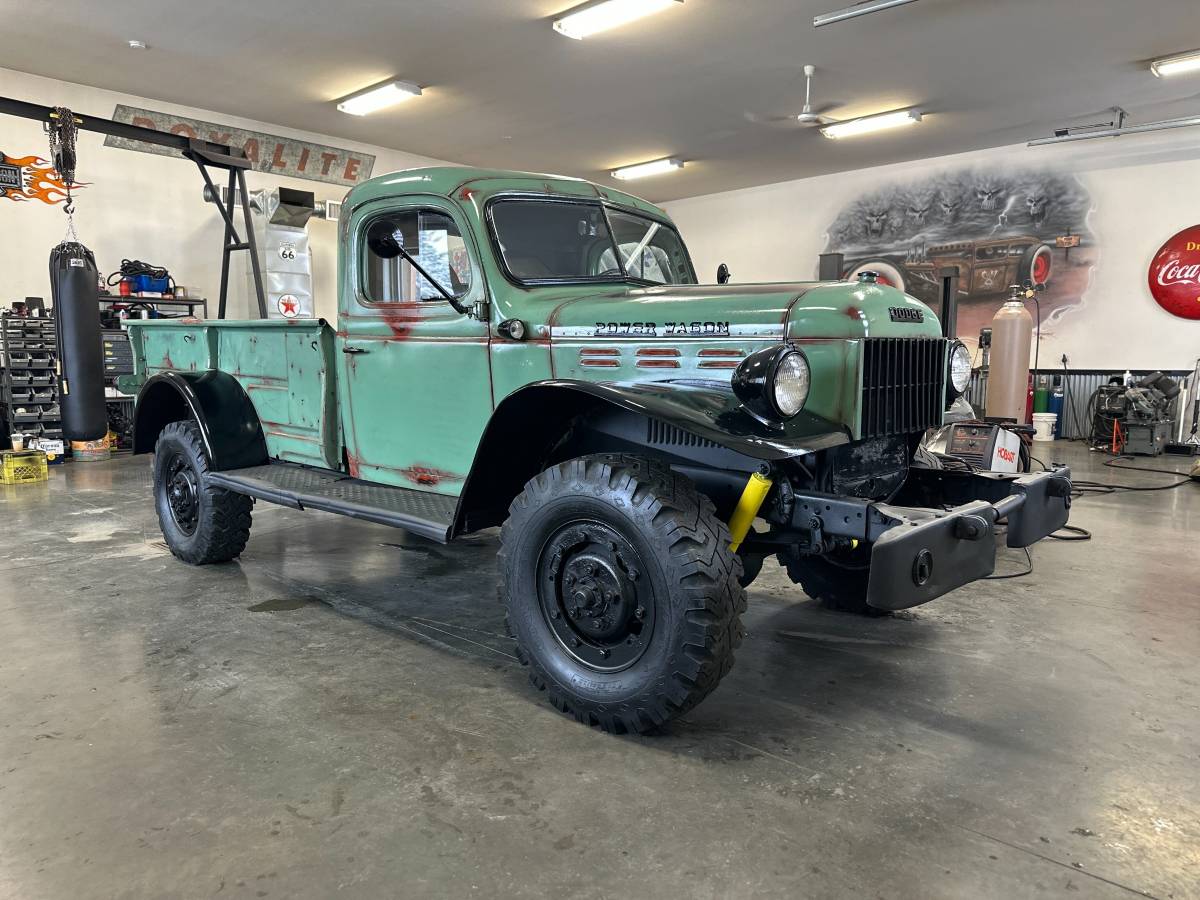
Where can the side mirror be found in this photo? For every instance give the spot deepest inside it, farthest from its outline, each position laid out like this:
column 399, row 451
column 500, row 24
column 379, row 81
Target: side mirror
column 381, row 238
column 723, row 274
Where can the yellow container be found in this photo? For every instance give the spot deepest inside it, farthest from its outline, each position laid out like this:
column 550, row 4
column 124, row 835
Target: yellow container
column 22, row 466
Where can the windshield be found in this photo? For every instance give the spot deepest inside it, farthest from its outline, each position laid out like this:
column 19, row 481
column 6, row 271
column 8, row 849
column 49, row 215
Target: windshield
column 556, row 240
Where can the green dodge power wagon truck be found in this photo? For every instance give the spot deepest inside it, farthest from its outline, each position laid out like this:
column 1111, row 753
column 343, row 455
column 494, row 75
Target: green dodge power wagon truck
column 535, row 352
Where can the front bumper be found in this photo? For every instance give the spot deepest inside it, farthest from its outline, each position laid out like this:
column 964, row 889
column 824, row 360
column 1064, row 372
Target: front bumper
column 919, row 554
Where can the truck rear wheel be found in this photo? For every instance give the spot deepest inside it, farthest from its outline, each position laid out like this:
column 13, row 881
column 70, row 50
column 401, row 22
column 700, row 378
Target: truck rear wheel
column 201, row 524
column 838, row 581
column 620, row 590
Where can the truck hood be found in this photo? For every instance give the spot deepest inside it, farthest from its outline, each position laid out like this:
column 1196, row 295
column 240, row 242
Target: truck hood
column 767, row 312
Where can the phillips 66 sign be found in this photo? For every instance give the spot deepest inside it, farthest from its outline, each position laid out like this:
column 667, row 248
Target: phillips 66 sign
column 1175, row 274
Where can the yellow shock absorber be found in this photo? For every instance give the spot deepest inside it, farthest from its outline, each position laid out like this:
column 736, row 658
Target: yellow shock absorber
column 747, row 508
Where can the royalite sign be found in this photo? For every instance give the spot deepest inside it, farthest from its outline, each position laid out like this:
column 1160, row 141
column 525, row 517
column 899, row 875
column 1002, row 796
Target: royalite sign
column 1175, row 274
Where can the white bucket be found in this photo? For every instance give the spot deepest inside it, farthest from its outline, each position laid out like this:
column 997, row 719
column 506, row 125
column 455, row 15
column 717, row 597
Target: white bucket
column 1044, row 423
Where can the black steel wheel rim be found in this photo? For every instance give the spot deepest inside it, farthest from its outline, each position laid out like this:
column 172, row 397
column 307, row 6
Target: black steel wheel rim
column 182, row 492
column 595, row 595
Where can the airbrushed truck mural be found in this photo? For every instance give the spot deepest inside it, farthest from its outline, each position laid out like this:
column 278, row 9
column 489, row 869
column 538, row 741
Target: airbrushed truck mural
column 996, row 226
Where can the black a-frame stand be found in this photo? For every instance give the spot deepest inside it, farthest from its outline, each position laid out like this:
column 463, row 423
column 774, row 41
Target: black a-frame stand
column 205, row 155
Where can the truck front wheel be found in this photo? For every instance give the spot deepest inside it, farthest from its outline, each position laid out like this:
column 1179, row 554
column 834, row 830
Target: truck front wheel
column 620, row 590
column 201, row 524
column 837, row 581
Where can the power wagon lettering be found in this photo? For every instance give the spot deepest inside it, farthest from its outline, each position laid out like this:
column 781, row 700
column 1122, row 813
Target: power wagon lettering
column 669, row 329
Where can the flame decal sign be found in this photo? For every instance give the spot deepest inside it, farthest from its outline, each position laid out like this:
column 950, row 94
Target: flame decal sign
column 31, row 178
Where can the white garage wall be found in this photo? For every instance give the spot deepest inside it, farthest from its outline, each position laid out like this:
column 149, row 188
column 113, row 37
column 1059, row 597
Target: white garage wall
column 148, row 207
column 1144, row 189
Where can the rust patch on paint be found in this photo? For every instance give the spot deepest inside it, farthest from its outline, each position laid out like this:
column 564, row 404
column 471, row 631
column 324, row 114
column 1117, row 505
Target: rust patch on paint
column 399, row 323
column 466, row 194
column 428, row 476
column 853, row 312
column 167, row 362
column 352, row 464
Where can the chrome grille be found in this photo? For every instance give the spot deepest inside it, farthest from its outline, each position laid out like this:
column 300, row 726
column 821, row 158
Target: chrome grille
column 903, row 385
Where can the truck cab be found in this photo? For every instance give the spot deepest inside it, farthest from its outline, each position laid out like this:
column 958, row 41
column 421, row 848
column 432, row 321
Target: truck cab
column 537, row 353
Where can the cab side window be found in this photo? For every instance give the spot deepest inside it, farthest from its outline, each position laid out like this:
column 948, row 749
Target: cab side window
column 431, row 238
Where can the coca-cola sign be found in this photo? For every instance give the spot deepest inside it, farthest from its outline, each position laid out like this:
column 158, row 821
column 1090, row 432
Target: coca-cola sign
column 1175, row 274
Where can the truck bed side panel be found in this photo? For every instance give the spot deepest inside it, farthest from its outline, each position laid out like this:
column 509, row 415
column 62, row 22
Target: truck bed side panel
column 285, row 368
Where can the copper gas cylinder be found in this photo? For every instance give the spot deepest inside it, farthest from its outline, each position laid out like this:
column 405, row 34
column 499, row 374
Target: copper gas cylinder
column 1008, row 375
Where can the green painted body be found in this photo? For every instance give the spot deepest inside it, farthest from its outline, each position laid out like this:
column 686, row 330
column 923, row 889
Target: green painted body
column 412, row 410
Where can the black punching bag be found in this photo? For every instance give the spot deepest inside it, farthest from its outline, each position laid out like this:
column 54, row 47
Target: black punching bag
column 74, row 287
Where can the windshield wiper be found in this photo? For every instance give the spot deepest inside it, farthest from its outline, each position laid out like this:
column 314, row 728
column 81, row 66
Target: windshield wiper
column 450, row 298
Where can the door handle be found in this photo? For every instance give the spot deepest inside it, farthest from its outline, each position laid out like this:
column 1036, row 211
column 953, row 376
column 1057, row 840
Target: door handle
column 355, row 350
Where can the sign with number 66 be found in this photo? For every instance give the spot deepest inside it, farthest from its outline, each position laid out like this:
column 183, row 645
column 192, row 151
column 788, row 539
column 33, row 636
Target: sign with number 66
column 287, row 251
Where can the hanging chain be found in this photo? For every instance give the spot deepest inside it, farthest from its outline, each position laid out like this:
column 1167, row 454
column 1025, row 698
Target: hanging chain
column 61, row 132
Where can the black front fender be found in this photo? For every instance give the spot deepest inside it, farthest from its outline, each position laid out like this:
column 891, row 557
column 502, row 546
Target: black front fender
column 228, row 423
column 709, row 410
column 527, row 427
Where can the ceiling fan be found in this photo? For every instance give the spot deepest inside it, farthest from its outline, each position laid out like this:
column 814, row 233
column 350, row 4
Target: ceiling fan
column 807, row 117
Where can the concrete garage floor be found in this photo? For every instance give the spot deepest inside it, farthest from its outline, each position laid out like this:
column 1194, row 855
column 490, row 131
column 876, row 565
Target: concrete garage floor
column 339, row 713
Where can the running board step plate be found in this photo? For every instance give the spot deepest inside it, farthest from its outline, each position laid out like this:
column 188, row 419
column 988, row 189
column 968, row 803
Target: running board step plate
column 301, row 487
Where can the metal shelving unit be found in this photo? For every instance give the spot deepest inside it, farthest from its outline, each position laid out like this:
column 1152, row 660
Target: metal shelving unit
column 167, row 302
column 28, row 382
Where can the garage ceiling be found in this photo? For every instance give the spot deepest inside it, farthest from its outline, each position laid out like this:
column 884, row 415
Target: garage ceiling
column 502, row 89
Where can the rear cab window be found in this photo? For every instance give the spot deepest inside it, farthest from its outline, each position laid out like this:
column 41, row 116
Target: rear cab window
column 432, row 238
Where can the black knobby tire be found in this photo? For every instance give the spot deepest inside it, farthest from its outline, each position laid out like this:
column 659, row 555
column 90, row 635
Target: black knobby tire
column 840, row 584
column 686, row 591
column 201, row 523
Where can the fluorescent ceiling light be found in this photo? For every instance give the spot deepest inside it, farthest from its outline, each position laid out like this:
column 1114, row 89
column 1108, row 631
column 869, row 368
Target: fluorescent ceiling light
column 867, row 124
column 601, row 15
column 1164, row 125
column 859, row 9
column 1180, row 64
column 644, row 170
column 379, row 97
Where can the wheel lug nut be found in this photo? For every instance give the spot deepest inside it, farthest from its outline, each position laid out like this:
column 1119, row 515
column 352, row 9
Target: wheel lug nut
column 640, row 612
column 604, row 653
column 554, row 614
column 575, row 642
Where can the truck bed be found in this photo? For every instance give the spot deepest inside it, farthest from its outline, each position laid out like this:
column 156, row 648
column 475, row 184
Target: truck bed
column 285, row 366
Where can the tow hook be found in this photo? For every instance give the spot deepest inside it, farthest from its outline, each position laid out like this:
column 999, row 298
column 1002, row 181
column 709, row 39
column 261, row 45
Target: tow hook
column 970, row 528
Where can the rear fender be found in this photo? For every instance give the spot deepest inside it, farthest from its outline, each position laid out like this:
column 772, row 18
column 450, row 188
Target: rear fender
column 228, row 423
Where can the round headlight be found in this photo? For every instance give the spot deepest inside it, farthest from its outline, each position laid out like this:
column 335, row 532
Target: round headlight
column 789, row 387
column 772, row 383
column 960, row 366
